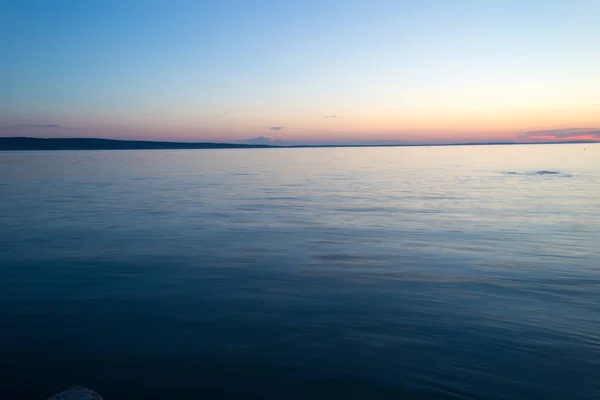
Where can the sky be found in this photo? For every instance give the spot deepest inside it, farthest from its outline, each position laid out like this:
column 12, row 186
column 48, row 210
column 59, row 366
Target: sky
column 327, row 71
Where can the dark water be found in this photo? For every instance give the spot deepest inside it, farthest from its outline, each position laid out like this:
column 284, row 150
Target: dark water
column 454, row 272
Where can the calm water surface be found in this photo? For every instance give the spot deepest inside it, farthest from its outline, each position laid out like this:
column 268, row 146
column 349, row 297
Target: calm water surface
column 433, row 273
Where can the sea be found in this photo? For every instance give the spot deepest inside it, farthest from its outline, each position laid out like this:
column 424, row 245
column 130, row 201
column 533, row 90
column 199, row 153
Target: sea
column 442, row 272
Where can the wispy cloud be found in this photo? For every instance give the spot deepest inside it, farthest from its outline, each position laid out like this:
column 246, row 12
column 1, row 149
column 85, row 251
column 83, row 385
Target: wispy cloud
column 277, row 128
column 563, row 134
column 39, row 125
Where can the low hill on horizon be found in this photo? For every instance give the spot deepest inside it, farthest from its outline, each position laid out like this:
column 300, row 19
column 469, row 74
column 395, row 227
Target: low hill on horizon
column 29, row 143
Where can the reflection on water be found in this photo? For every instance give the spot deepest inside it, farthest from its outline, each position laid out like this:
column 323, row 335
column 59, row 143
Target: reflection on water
column 442, row 272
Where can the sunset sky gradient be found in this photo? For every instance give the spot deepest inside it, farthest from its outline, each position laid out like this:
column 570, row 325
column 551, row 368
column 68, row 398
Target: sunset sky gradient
column 301, row 71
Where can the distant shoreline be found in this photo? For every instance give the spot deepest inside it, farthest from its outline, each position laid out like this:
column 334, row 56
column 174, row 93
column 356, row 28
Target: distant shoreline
column 29, row 143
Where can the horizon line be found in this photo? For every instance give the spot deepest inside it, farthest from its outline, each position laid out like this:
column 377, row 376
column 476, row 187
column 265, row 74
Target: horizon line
column 15, row 143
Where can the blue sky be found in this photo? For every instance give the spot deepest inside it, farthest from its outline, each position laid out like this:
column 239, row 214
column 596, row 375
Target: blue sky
column 230, row 70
